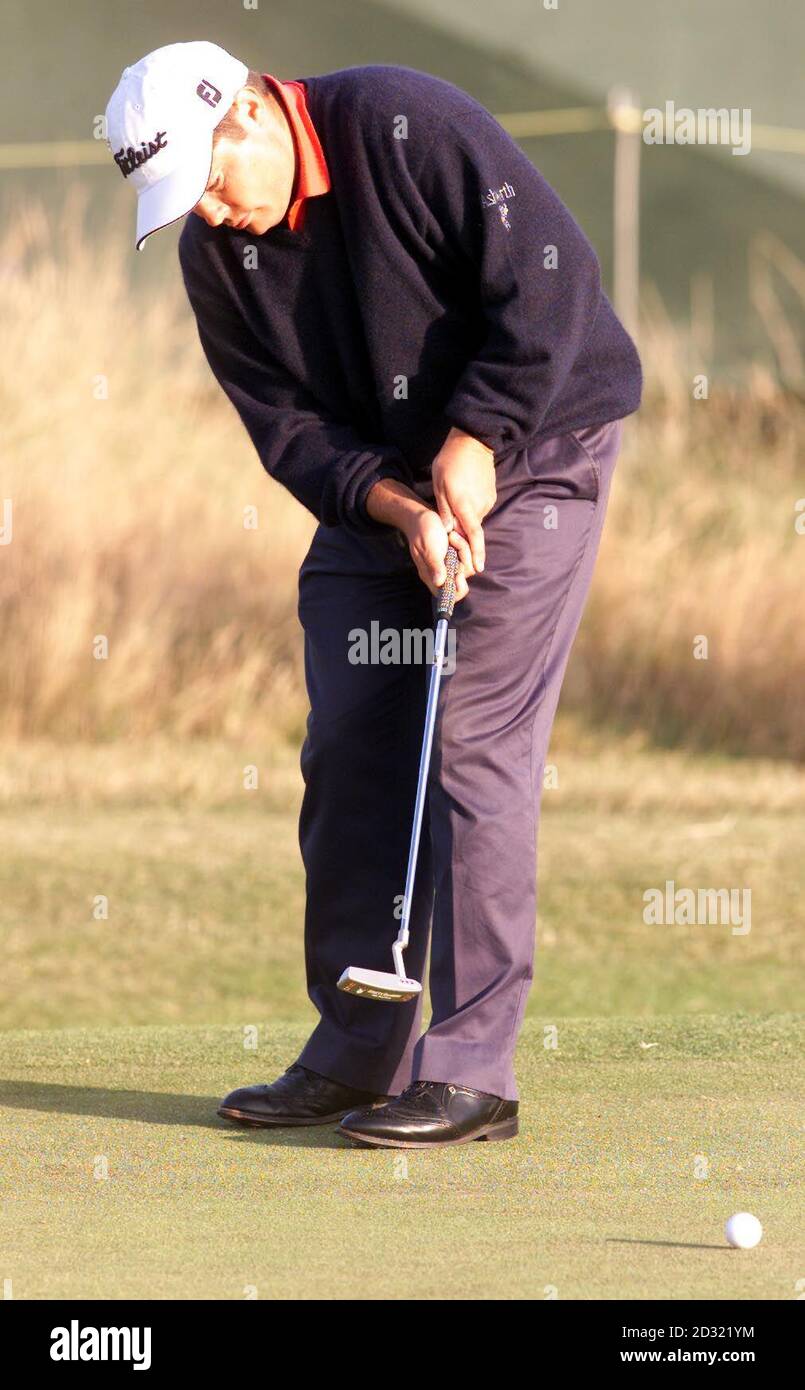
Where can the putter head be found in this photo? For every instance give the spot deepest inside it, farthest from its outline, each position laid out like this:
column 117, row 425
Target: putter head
column 377, row 984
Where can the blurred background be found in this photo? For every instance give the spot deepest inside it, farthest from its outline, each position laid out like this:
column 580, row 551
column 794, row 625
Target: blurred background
column 141, row 881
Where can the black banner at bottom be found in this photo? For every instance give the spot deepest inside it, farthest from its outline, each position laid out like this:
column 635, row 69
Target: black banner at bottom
column 166, row 1338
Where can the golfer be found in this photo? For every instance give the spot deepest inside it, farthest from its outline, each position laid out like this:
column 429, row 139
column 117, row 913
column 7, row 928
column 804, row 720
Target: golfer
column 411, row 326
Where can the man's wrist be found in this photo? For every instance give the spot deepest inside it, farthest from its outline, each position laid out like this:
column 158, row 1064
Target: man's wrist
column 460, row 436
column 393, row 504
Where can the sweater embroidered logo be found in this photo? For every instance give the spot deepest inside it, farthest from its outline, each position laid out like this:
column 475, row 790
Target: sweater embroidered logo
column 499, row 198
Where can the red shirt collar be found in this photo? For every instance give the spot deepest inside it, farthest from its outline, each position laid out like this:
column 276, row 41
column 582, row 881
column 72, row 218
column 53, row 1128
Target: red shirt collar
column 312, row 174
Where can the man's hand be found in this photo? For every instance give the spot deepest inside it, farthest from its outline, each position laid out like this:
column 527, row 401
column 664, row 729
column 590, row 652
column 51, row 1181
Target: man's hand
column 464, row 489
column 428, row 541
column 395, row 504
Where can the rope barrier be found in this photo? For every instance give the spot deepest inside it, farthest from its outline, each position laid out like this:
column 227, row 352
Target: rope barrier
column 523, row 125
column 54, row 154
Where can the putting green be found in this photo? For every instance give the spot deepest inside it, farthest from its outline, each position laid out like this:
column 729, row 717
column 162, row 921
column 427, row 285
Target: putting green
column 638, row 1139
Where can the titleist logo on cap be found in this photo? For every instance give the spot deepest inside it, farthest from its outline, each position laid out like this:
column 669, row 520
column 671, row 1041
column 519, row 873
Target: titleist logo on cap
column 127, row 160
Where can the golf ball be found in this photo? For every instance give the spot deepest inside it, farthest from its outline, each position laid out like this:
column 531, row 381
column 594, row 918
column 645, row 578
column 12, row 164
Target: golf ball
column 743, row 1230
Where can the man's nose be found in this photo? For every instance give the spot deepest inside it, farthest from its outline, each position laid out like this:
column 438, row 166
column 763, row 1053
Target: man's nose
column 210, row 210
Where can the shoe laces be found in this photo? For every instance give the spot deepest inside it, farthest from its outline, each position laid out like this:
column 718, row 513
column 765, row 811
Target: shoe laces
column 415, row 1087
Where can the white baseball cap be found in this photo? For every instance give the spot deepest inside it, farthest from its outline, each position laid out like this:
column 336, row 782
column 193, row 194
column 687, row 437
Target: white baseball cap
column 159, row 125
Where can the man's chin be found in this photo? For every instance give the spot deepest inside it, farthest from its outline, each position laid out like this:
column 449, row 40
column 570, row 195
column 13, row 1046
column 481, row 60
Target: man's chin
column 257, row 223
column 260, row 222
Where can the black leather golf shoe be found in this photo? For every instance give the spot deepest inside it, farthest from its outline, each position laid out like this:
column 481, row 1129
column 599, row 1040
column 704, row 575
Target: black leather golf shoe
column 298, row 1097
column 430, row 1113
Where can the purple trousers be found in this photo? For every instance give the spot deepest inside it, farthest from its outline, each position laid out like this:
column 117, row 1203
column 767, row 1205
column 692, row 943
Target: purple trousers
column 476, row 888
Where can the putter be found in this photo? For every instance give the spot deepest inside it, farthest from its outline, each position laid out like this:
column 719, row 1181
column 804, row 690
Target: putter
column 378, row 984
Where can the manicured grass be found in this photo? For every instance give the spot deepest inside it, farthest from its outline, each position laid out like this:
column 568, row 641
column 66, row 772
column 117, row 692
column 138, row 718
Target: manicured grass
column 638, row 1139
column 669, row 1103
column 205, row 886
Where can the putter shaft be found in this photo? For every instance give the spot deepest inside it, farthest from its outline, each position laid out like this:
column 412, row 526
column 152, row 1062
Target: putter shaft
column 376, row 984
column 447, row 599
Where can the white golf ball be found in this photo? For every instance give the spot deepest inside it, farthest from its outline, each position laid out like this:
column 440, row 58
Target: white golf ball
column 743, row 1230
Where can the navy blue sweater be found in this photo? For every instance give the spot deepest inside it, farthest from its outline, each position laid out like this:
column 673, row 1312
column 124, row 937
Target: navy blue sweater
column 440, row 282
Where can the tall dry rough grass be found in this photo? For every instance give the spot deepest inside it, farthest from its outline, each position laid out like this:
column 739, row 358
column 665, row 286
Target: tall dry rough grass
column 128, row 517
column 128, row 511
column 702, row 542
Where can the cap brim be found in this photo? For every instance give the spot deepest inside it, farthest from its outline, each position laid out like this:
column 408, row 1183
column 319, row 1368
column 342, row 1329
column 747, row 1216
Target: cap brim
column 175, row 194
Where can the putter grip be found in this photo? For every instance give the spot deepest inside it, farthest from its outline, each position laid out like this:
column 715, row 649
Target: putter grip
column 447, row 596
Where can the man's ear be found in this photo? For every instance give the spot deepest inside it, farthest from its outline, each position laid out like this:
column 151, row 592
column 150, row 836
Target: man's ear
column 250, row 107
